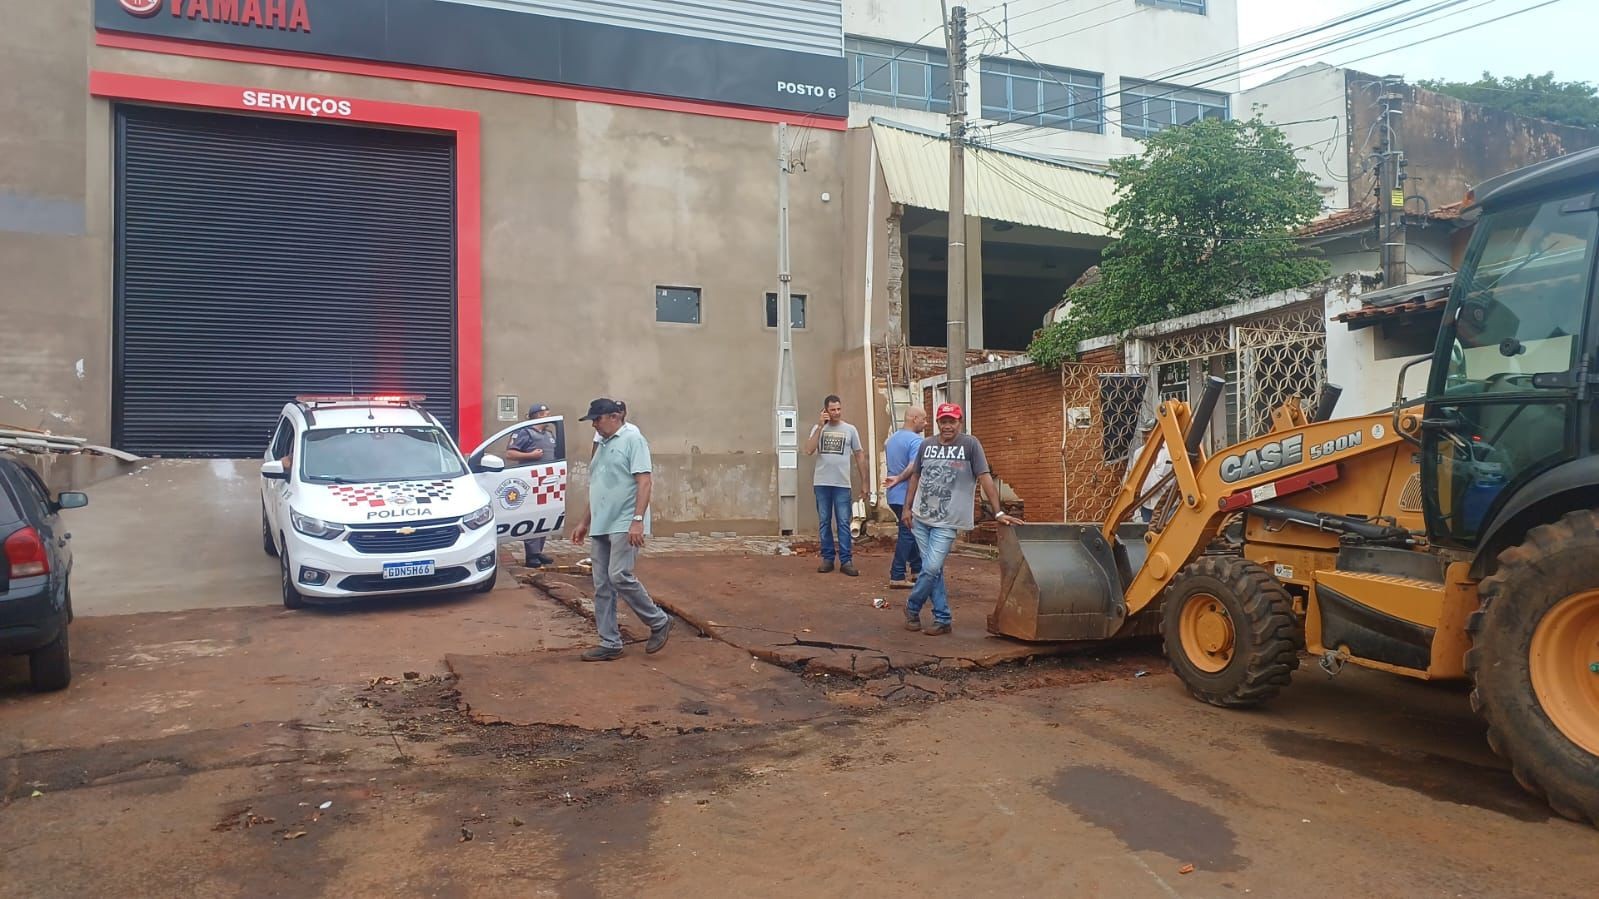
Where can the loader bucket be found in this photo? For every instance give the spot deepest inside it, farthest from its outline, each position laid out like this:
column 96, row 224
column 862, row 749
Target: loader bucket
column 1063, row 581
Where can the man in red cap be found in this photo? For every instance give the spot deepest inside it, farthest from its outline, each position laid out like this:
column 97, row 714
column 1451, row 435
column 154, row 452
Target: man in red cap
column 943, row 488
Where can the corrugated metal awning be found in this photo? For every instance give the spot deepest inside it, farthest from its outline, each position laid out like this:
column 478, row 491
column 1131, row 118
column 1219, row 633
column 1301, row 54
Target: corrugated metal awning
column 1001, row 186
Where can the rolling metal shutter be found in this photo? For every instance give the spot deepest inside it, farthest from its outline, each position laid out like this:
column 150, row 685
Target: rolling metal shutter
column 258, row 258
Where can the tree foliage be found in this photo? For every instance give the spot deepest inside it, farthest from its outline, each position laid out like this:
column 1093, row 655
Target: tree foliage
column 1538, row 96
column 1205, row 216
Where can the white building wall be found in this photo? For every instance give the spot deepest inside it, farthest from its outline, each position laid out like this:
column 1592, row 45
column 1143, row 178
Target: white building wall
column 1368, row 382
column 1136, row 41
column 1314, row 99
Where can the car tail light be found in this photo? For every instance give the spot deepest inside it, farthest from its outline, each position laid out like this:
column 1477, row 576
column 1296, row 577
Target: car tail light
column 25, row 551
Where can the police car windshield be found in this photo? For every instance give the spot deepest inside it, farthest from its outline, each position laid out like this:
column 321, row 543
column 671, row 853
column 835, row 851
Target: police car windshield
column 379, row 454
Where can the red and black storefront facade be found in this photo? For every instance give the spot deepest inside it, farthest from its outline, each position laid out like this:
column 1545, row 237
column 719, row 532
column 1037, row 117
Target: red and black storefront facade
column 267, row 234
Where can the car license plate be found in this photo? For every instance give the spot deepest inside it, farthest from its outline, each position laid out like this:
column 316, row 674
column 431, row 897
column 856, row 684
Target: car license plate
column 394, row 570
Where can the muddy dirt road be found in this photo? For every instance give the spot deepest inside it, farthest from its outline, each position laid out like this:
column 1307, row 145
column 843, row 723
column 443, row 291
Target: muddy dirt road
column 254, row 752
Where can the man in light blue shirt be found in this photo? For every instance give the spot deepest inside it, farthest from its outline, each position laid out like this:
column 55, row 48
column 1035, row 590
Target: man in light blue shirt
column 619, row 494
column 899, row 452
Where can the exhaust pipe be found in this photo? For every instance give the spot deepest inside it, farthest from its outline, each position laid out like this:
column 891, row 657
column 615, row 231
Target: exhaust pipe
column 1200, row 423
column 1329, row 400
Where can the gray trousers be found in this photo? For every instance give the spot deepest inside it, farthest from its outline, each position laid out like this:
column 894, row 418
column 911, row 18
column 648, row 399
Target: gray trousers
column 613, row 559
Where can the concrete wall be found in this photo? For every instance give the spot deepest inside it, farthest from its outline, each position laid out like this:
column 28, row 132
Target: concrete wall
column 1452, row 145
column 1125, row 39
column 51, row 303
column 1359, row 362
column 1430, row 249
column 1313, row 99
column 586, row 208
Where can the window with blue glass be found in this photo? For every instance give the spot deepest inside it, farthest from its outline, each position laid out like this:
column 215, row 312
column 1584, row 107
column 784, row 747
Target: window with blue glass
column 1148, row 107
column 1041, row 95
column 897, row 75
column 1193, row 6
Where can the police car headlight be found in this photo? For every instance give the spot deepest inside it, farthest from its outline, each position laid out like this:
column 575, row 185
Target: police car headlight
column 315, row 527
column 479, row 518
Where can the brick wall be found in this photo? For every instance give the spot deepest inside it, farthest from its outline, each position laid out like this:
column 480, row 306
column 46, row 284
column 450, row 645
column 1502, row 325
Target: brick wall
column 1016, row 414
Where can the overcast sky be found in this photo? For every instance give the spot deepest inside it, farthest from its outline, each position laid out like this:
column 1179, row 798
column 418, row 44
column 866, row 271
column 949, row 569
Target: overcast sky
column 1555, row 38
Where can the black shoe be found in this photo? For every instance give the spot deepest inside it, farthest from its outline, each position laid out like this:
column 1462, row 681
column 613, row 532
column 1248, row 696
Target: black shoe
column 658, row 637
column 937, row 630
column 849, row 569
column 602, row 654
column 543, row 559
column 825, row 568
column 533, row 562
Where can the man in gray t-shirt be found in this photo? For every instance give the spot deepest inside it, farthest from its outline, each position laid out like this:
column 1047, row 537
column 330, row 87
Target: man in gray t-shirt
column 944, row 477
column 835, row 443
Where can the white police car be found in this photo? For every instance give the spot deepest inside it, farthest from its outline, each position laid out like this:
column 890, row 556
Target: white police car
column 364, row 495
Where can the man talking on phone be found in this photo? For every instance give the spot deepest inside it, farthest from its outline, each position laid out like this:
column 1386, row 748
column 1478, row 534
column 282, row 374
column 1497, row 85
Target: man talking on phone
column 833, row 441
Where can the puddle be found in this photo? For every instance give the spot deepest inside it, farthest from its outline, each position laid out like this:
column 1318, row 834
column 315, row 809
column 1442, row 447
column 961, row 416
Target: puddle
column 1437, row 777
column 1147, row 818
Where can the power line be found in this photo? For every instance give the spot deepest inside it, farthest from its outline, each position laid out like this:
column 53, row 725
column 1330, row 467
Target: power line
column 1391, row 25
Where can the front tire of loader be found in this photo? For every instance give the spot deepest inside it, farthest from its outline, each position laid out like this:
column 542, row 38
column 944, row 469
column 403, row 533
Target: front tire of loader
column 1534, row 663
column 1229, row 631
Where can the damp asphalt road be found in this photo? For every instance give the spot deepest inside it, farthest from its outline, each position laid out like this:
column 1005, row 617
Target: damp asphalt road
column 257, row 752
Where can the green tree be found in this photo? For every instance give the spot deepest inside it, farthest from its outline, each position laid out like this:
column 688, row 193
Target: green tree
column 1538, row 96
column 1204, row 217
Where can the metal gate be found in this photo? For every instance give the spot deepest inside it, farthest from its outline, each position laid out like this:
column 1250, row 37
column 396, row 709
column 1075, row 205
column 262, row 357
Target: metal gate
column 259, row 258
column 1102, row 404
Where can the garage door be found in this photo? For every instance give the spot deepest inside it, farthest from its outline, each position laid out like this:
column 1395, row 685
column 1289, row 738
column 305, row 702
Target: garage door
column 258, row 259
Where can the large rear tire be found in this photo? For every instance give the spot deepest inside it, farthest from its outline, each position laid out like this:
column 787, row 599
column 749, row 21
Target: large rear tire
column 1534, row 663
column 1229, row 631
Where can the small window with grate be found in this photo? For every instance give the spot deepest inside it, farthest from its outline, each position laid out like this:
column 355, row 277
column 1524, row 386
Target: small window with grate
column 796, row 310
column 677, row 305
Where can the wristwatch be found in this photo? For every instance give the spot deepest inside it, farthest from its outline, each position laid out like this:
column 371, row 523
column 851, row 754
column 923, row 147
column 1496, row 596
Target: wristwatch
column 638, row 517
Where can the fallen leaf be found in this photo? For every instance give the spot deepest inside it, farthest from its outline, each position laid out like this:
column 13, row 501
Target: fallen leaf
column 36, row 795
column 1186, row 869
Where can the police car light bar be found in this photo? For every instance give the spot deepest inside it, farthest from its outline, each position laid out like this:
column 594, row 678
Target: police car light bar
column 394, row 398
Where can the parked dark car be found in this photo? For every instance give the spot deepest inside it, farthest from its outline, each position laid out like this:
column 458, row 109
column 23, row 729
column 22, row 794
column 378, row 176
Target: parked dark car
column 35, row 569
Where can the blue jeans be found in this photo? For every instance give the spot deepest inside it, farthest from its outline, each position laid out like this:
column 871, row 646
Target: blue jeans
column 935, row 544
column 832, row 505
column 906, row 555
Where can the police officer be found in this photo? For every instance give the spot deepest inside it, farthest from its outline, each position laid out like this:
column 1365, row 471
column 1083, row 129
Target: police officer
column 533, row 444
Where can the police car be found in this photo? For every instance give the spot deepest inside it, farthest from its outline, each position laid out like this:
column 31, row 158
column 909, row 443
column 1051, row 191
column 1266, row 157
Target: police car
column 365, row 495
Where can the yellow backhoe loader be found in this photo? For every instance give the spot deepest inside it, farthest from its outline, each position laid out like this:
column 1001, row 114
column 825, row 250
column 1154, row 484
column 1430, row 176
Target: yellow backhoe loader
column 1451, row 537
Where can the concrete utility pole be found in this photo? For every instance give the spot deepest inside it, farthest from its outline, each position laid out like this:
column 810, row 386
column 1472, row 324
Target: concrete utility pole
column 955, row 43
column 786, row 400
column 1391, row 187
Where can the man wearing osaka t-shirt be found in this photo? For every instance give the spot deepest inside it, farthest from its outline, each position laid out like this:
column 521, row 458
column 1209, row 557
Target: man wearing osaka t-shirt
column 943, row 487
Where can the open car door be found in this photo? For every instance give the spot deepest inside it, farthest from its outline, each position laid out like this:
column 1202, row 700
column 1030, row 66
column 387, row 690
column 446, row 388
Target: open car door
column 529, row 498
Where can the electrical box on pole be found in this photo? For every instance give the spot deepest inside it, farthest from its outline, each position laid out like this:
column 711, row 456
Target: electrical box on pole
column 786, row 400
column 1391, row 186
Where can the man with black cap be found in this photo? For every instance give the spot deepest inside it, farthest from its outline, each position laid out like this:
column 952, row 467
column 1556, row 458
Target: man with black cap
column 619, row 495
column 535, row 443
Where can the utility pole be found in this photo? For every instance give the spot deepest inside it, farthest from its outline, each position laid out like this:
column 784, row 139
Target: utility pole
column 955, row 43
column 786, row 400
column 1391, row 186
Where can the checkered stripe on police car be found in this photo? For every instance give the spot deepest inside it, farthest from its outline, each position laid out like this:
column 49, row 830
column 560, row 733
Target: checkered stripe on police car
column 379, row 495
column 546, row 493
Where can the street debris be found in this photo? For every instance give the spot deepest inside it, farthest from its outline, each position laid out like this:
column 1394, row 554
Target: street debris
column 1186, row 869
column 412, row 675
column 466, row 836
column 294, row 835
column 1140, row 673
column 878, row 603
column 326, row 805
column 516, row 822
column 35, row 795
column 14, row 438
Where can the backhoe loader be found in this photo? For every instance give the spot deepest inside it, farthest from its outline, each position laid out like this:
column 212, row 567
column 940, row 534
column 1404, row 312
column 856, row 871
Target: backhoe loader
column 1455, row 536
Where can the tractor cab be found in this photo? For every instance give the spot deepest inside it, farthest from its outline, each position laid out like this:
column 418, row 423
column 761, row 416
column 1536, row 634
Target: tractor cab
column 1508, row 420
